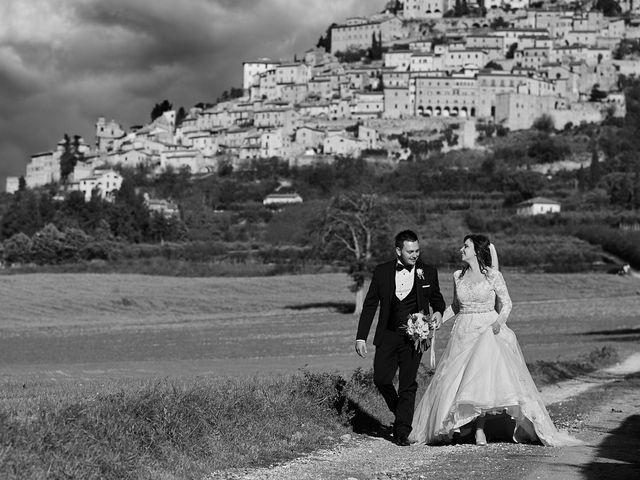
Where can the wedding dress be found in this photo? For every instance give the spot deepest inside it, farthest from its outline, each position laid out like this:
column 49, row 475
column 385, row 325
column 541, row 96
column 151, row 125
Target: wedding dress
column 483, row 373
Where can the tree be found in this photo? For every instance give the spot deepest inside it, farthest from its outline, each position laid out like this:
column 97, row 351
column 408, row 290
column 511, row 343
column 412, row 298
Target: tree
column 224, row 168
column 180, row 116
column 375, row 52
column 544, row 123
column 521, row 185
column 460, row 9
column 17, row 249
column 594, row 169
column 499, row 23
column 204, row 105
column 393, row 6
column 48, row 246
column 512, row 50
column 325, row 41
column 620, row 188
column 636, row 188
column 160, row 108
column 162, row 228
column 450, row 137
column 75, row 240
column 582, row 179
column 233, row 92
column 610, row 8
column 352, row 55
column 173, row 183
column 547, row 149
column 129, row 217
column 493, row 66
column 597, row 95
column 70, row 157
column 23, row 215
column 353, row 228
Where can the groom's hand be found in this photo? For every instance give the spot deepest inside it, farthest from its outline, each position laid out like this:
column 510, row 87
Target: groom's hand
column 361, row 348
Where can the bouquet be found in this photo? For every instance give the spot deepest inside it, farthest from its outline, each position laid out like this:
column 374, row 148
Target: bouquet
column 420, row 330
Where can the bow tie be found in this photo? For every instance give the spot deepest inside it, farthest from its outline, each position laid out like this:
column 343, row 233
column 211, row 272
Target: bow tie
column 401, row 266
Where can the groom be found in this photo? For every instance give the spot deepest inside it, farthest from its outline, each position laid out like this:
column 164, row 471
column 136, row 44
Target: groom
column 401, row 287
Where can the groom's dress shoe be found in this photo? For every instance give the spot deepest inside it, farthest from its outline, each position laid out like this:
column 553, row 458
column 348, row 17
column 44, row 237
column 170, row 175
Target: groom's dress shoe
column 403, row 441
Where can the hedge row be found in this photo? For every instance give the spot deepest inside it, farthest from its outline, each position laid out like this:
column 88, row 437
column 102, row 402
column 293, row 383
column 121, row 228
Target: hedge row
column 624, row 244
column 51, row 246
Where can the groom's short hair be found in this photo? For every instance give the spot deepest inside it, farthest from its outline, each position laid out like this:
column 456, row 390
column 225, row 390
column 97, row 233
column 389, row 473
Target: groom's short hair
column 405, row 236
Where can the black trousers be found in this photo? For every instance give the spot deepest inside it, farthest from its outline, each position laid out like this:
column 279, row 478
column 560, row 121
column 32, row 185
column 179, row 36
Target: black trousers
column 397, row 353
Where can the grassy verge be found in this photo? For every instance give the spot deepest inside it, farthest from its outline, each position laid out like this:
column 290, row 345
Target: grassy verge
column 544, row 372
column 171, row 429
column 185, row 429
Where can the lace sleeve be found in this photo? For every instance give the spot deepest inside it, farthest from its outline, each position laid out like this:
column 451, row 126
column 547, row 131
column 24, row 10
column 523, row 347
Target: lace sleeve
column 504, row 304
column 455, row 303
column 453, row 309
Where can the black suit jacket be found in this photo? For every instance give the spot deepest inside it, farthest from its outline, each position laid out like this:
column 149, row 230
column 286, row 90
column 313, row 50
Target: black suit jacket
column 383, row 288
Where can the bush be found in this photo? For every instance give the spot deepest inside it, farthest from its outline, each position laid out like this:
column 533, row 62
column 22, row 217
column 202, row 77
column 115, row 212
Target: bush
column 101, row 250
column 17, row 249
column 501, row 130
column 546, row 149
column 557, row 252
column 544, row 123
column 49, row 246
column 76, row 239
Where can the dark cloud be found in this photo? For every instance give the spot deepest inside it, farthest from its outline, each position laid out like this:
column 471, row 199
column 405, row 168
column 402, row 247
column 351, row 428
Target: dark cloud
column 65, row 63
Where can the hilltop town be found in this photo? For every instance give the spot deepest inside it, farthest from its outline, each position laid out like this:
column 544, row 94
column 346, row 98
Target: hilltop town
column 437, row 70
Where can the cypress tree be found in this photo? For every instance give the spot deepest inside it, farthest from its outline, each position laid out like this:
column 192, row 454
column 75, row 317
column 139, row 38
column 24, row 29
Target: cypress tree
column 595, row 166
column 636, row 188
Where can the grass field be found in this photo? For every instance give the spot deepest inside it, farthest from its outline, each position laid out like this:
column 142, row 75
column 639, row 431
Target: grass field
column 59, row 331
column 112, row 326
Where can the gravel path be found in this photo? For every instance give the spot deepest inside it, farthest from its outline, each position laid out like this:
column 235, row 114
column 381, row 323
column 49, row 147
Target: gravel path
column 360, row 457
column 612, row 435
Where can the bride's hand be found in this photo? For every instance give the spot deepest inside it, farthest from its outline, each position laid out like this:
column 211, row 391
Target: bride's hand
column 436, row 320
column 495, row 327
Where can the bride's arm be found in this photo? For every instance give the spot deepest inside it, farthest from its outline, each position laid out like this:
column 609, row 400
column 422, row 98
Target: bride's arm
column 504, row 300
column 453, row 309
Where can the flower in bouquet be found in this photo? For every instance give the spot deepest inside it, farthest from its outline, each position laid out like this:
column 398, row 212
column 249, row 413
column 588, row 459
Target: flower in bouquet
column 420, row 330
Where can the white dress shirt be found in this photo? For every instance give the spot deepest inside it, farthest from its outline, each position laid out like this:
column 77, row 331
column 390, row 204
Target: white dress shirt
column 404, row 282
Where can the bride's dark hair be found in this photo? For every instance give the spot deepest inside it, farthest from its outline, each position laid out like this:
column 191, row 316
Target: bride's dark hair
column 481, row 245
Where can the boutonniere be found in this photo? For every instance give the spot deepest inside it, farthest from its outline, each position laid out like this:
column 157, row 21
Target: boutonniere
column 420, row 273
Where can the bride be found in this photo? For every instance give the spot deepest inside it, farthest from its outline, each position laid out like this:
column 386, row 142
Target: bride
column 482, row 376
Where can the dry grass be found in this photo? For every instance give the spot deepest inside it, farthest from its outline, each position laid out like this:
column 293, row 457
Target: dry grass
column 178, row 429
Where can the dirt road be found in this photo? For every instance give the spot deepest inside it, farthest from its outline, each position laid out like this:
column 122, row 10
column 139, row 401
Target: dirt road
column 610, row 433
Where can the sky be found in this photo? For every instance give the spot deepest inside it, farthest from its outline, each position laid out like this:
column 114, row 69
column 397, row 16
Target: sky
column 64, row 63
